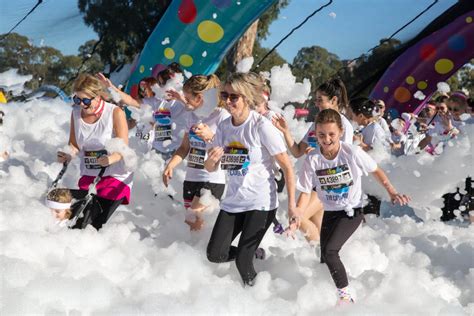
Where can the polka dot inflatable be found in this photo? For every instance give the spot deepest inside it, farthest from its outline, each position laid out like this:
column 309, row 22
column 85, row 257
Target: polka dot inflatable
column 433, row 59
column 191, row 27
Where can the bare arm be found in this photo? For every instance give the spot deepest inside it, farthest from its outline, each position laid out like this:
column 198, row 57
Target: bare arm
column 65, row 157
column 120, row 131
column 395, row 197
column 285, row 164
column 178, row 156
column 126, row 98
column 213, row 159
column 296, row 149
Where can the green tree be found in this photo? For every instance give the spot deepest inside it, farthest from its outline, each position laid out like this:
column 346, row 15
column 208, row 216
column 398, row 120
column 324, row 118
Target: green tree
column 316, row 64
column 123, row 25
column 463, row 78
column 46, row 64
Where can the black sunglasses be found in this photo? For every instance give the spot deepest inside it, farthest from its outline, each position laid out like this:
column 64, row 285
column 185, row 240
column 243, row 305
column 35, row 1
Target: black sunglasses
column 231, row 96
column 86, row 101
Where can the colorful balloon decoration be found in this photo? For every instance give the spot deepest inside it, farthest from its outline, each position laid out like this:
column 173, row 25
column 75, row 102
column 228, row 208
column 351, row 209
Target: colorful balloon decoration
column 433, row 59
column 196, row 34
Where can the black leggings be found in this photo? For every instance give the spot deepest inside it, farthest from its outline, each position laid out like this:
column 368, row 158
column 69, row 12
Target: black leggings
column 253, row 225
column 97, row 213
column 336, row 229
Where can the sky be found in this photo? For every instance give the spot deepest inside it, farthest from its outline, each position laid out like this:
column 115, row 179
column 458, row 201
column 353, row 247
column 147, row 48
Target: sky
column 347, row 28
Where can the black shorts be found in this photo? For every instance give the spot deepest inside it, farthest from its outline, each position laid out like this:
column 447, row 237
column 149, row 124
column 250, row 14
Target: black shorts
column 192, row 188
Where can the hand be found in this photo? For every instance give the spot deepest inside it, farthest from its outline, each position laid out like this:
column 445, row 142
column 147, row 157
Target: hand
column 167, row 175
column 204, row 132
column 294, row 224
column 215, row 154
column 357, row 138
column 446, row 120
column 401, row 199
column 104, row 80
column 105, row 160
column 63, row 157
column 175, row 95
column 279, row 121
column 308, row 150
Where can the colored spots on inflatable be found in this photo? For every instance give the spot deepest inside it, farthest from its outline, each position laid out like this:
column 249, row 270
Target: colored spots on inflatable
column 210, row 31
column 433, row 59
column 457, row 43
column 196, row 34
column 187, row 11
column 169, row 53
column 427, row 52
column 186, row 60
column 422, row 85
column 443, row 66
column 402, row 94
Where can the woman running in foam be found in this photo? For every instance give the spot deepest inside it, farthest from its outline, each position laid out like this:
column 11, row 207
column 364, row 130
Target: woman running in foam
column 335, row 169
column 200, row 95
column 99, row 135
column 246, row 147
column 329, row 95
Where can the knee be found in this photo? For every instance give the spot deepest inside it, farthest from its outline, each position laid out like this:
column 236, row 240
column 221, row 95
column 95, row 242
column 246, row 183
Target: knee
column 214, row 256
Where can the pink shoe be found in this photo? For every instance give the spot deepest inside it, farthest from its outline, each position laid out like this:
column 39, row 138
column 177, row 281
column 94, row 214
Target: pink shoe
column 344, row 302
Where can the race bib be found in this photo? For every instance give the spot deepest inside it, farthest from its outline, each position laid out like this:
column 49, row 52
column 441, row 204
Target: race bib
column 234, row 158
column 335, row 182
column 162, row 125
column 197, row 152
column 90, row 158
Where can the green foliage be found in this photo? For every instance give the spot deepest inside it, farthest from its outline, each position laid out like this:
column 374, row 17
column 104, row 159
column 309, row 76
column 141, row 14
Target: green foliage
column 47, row 65
column 123, row 25
column 268, row 17
column 463, row 78
column 316, row 64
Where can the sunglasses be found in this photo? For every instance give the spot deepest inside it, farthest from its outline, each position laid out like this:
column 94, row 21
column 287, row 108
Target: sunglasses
column 231, row 96
column 454, row 109
column 86, row 101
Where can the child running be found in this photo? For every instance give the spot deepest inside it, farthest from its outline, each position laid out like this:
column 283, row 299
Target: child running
column 329, row 95
column 335, row 169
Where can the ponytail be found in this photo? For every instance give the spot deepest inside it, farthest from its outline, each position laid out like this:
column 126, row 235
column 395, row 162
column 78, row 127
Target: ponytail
column 335, row 88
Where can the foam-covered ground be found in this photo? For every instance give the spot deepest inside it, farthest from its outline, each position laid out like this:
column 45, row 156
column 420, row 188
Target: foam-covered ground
column 145, row 260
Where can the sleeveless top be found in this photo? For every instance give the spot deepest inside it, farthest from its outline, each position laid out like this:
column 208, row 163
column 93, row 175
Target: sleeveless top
column 91, row 138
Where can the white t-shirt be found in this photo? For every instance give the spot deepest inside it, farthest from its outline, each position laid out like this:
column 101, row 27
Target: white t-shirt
column 337, row 181
column 248, row 159
column 170, row 118
column 374, row 133
column 198, row 149
column 347, row 136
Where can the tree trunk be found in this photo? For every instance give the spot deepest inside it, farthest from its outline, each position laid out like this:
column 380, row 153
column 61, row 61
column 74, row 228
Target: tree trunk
column 243, row 48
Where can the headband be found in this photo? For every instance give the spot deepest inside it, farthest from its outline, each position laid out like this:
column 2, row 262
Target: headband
column 57, row 205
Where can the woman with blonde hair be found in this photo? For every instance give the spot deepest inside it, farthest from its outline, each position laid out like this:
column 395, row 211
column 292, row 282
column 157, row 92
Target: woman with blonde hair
column 200, row 95
column 99, row 136
column 245, row 147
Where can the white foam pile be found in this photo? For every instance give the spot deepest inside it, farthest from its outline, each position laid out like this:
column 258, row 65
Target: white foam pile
column 146, row 261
